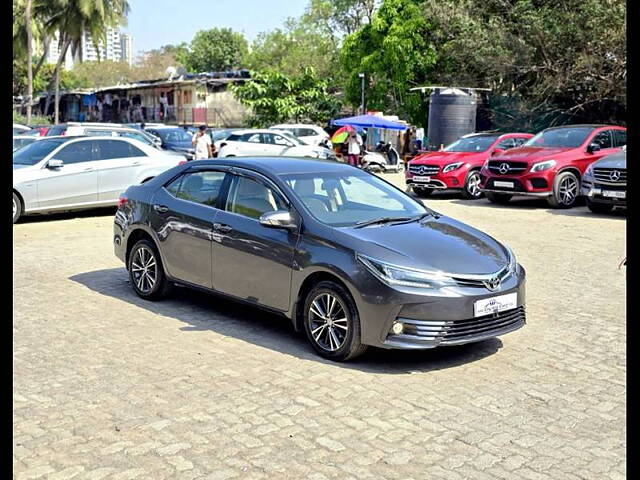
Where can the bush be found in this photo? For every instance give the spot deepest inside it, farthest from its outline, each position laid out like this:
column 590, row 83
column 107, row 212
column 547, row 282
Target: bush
column 35, row 119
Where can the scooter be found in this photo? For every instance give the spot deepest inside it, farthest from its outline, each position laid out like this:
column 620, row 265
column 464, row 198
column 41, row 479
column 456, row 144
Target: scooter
column 385, row 158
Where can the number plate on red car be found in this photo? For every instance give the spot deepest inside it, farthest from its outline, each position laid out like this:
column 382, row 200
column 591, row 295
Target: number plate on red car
column 498, row 183
column 421, row 179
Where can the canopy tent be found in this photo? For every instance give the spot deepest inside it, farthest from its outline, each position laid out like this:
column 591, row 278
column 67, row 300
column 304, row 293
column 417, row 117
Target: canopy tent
column 370, row 121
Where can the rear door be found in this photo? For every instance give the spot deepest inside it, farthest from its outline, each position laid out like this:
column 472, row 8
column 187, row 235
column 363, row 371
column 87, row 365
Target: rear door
column 118, row 167
column 75, row 183
column 182, row 216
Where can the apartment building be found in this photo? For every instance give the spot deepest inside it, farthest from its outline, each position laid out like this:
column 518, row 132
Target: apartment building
column 117, row 48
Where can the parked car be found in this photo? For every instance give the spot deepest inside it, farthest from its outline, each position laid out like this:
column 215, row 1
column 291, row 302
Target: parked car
column 55, row 130
column 550, row 164
column 176, row 139
column 457, row 167
column 242, row 143
column 20, row 129
column 20, row 141
column 309, row 134
column 111, row 130
column 139, row 127
column 219, row 135
column 73, row 173
column 41, row 129
column 604, row 183
column 350, row 259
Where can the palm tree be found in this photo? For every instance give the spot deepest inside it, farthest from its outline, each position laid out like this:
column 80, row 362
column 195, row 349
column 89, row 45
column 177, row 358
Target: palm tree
column 27, row 20
column 71, row 18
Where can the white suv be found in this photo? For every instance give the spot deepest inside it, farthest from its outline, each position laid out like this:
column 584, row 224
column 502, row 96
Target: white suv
column 309, row 134
column 73, row 173
column 243, row 143
column 110, row 130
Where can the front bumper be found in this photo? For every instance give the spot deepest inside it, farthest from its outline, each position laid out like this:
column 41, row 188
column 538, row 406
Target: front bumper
column 611, row 194
column 453, row 180
column 438, row 319
column 530, row 184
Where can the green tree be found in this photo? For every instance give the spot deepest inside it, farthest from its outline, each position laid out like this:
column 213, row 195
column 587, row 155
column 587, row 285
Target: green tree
column 212, row 50
column 276, row 98
column 395, row 54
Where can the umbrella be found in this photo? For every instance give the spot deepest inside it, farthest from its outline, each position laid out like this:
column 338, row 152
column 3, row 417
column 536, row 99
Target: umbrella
column 341, row 135
column 370, row 121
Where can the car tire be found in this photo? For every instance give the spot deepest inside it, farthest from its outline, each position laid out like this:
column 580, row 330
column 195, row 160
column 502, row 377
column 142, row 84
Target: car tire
column 17, row 207
column 471, row 190
column 423, row 192
column 151, row 282
column 500, row 198
column 596, row 207
column 339, row 341
column 566, row 188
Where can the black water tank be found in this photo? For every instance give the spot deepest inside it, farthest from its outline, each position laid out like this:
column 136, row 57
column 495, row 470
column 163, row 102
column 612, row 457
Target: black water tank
column 452, row 114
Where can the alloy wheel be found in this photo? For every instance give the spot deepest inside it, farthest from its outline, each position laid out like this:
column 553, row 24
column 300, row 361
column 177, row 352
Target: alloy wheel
column 568, row 190
column 144, row 269
column 328, row 321
column 473, row 185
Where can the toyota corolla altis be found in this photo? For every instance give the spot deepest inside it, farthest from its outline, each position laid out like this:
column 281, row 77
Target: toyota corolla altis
column 350, row 259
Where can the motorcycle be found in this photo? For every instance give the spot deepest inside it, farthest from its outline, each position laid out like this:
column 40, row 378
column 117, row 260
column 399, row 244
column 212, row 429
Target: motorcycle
column 384, row 158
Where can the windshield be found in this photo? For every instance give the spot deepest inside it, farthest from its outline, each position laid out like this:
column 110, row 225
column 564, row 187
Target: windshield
column 472, row 144
column 220, row 134
column 343, row 200
column 560, row 137
column 36, row 151
column 170, row 135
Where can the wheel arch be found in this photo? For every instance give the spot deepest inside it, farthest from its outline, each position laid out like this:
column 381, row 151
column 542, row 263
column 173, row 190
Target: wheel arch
column 137, row 234
column 571, row 169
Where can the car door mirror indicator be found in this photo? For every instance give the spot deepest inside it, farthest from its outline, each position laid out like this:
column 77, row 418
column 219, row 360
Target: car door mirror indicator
column 278, row 219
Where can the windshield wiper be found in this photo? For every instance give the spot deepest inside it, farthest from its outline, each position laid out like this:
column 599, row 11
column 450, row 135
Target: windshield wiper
column 376, row 221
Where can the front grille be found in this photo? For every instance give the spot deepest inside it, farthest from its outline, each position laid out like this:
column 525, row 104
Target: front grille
column 479, row 282
column 423, row 169
column 460, row 331
column 605, row 175
column 506, row 168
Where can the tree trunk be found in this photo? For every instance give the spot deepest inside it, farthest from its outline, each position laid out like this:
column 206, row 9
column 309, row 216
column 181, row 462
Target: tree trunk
column 27, row 14
column 36, row 70
column 52, row 82
column 56, row 105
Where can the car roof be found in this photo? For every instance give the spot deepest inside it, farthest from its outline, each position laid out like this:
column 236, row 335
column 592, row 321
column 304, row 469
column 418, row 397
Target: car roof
column 584, row 125
column 163, row 127
column 35, row 137
column 295, row 125
column 281, row 165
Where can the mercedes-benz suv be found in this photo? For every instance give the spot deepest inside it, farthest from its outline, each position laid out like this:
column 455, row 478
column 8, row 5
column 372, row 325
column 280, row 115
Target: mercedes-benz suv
column 604, row 183
column 550, row 164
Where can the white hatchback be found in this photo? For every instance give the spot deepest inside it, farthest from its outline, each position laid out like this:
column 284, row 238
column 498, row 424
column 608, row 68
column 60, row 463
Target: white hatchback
column 73, row 173
column 243, row 143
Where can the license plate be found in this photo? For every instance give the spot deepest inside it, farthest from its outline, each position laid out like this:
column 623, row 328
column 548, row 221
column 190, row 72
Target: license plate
column 614, row 194
column 421, row 179
column 498, row 183
column 487, row 306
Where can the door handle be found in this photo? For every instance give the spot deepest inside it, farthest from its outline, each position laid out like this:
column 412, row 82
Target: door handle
column 135, row 163
column 161, row 208
column 88, row 169
column 221, row 227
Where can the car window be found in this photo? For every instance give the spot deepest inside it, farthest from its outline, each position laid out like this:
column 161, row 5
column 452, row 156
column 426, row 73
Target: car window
column 251, row 138
column 603, row 139
column 235, row 138
column 113, row 149
column 620, row 137
column 199, row 187
column 306, row 132
column 135, row 136
column 506, row 144
column 97, row 133
column 279, row 140
column 36, row 151
column 76, row 152
column 56, row 130
column 519, row 141
column 251, row 198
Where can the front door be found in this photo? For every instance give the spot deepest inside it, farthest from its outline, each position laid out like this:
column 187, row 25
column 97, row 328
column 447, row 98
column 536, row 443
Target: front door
column 118, row 165
column 603, row 138
column 251, row 261
column 182, row 216
column 74, row 184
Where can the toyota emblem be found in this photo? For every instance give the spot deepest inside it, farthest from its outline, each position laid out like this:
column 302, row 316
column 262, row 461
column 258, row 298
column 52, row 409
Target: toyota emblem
column 504, row 168
column 492, row 284
column 614, row 176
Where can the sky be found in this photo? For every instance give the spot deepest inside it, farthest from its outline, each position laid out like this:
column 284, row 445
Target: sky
column 153, row 23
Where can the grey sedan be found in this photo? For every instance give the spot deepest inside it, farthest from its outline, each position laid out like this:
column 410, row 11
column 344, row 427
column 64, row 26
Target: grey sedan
column 350, row 259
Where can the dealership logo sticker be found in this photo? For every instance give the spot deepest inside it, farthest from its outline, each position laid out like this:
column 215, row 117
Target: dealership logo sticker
column 614, row 176
column 504, row 168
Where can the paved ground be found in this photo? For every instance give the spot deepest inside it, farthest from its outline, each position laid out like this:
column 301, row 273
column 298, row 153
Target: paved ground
column 109, row 386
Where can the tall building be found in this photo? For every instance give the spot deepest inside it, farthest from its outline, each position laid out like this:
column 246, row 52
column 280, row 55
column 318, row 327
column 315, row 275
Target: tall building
column 126, row 49
column 54, row 53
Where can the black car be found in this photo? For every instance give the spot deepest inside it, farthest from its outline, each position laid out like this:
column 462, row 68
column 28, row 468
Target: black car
column 604, row 183
column 174, row 138
column 350, row 259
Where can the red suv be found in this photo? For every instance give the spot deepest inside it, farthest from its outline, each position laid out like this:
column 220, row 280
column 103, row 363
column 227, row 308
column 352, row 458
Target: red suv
column 551, row 164
column 457, row 167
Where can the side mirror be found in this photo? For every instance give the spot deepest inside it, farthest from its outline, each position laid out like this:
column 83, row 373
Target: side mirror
column 53, row 163
column 278, row 219
column 593, row 147
column 497, row 151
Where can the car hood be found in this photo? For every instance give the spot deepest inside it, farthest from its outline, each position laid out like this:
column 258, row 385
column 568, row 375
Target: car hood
column 531, row 154
column 443, row 158
column 615, row 160
column 434, row 244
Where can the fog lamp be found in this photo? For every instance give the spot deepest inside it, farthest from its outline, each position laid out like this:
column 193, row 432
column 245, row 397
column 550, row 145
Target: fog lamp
column 397, row 328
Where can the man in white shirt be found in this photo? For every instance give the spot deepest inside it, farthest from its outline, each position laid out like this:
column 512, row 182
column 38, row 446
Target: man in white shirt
column 202, row 142
column 353, row 151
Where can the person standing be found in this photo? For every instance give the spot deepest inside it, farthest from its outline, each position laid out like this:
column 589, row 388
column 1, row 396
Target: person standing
column 163, row 106
column 202, row 142
column 353, row 149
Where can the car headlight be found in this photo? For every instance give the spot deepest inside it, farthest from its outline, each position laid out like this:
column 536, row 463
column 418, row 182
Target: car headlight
column 393, row 275
column 513, row 263
column 542, row 166
column 451, row 167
